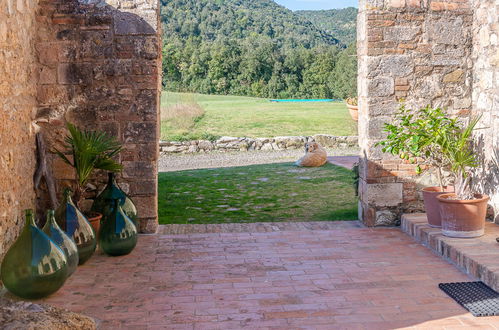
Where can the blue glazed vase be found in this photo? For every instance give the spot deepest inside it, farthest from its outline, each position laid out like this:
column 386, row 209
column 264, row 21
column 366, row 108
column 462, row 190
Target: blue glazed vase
column 62, row 240
column 34, row 266
column 111, row 192
column 76, row 226
column 118, row 234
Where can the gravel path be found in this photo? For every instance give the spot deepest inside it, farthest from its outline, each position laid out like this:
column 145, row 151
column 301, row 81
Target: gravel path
column 177, row 162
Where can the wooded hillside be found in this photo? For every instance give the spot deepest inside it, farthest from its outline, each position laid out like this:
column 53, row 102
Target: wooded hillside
column 341, row 23
column 254, row 48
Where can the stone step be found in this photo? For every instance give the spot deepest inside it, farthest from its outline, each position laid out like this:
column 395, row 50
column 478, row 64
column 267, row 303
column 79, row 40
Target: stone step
column 478, row 257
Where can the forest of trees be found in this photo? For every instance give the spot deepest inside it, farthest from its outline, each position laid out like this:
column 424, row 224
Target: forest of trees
column 341, row 23
column 254, row 48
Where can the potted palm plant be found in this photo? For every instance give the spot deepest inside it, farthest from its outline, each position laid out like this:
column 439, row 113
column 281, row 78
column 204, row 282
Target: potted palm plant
column 463, row 212
column 416, row 137
column 87, row 151
column 353, row 107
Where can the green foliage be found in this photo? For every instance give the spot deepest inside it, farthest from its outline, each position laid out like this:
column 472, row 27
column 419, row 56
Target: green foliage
column 458, row 150
column 354, row 101
column 429, row 136
column 417, row 136
column 253, row 48
column 90, row 151
column 341, row 23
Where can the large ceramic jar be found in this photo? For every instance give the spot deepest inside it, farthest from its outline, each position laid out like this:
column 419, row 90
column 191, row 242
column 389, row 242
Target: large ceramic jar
column 111, row 192
column 118, row 233
column 76, row 225
column 62, row 240
column 34, row 266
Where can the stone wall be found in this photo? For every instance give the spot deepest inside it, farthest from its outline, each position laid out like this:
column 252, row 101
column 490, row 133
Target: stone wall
column 230, row 144
column 17, row 107
column 418, row 51
column 486, row 97
column 99, row 67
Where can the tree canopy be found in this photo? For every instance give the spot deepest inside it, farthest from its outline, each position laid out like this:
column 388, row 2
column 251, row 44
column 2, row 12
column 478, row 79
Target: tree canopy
column 252, row 47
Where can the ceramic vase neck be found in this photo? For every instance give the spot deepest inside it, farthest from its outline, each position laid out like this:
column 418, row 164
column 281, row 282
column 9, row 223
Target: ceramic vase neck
column 51, row 219
column 30, row 218
column 111, row 178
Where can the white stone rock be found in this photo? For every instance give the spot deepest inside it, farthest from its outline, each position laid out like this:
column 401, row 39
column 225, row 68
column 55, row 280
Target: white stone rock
column 227, row 139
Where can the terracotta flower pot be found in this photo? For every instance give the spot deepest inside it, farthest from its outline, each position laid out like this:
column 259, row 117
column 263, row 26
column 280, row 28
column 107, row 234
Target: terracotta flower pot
column 431, row 204
column 354, row 111
column 94, row 218
column 463, row 218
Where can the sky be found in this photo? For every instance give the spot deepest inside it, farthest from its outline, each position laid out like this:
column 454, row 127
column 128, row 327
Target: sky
column 317, row 4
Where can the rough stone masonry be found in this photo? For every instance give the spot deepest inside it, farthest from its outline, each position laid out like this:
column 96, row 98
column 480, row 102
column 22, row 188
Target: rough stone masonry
column 419, row 51
column 17, row 106
column 99, row 67
column 94, row 63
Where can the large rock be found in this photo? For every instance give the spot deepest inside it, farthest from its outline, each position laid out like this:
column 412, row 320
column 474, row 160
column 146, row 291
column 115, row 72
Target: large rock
column 29, row 316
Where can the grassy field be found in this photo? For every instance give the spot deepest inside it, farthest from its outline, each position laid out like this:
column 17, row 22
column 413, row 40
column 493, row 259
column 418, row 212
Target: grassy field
column 258, row 193
column 251, row 117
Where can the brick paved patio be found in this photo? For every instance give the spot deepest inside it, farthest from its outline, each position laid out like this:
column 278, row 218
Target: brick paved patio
column 340, row 278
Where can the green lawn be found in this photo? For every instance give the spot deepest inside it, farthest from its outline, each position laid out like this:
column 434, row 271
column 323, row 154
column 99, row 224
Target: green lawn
column 255, row 117
column 258, row 193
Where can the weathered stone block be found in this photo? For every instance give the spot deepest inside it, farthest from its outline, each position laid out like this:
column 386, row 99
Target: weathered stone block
column 450, row 31
column 139, row 169
column 147, row 207
column 388, row 194
column 47, row 75
column 146, row 102
column 454, row 76
column 386, row 218
column 131, row 24
column 383, row 86
column 390, row 65
column 144, row 188
column 141, row 132
column 401, row 33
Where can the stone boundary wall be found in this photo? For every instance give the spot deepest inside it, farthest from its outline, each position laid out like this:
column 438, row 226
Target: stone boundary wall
column 418, row 51
column 230, row 144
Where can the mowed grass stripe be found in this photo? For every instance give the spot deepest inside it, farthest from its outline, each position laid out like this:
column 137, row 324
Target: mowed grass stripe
column 258, row 193
column 255, row 117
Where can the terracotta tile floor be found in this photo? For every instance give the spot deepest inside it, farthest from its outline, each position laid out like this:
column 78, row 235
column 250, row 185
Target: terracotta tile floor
column 344, row 278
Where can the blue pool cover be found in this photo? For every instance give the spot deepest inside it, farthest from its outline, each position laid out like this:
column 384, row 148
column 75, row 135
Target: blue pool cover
column 306, row 100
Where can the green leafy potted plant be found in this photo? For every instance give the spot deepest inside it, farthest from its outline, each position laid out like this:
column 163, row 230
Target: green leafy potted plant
column 416, row 136
column 89, row 151
column 353, row 107
column 463, row 212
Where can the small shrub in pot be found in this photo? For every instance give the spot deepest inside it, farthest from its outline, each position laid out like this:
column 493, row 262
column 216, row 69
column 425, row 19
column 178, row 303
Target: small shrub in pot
column 463, row 212
column 416, row 136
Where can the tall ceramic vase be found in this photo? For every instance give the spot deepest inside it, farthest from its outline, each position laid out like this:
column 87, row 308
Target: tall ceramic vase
column 34, row 266
column 62, row 240
column 112, row 191
column 76, row 225
column 118, row 234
